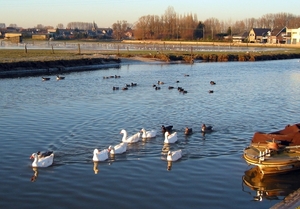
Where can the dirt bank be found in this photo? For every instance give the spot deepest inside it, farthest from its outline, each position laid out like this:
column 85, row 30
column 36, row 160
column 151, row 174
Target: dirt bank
column 50, row 67
column 44, row 66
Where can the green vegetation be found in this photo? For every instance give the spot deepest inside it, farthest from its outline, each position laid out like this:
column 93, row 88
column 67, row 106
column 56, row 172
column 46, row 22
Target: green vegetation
column 16, row 55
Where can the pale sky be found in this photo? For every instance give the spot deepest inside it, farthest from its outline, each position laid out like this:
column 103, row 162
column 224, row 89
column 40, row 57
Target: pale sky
column 30, row 13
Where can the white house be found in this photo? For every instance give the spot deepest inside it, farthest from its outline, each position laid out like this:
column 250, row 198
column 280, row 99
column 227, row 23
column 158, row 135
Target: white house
column 293, row 36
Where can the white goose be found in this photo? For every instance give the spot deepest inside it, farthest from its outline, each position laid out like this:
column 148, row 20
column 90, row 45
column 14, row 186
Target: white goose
column 118, row 149
column 170, row 138
column 174, row 155
column 148, row 134
column 100, row 156
column 42, row 159
column 132, row 139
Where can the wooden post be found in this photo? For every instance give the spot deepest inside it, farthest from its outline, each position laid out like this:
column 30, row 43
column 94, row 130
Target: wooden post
column 79, row 52
column 118, row 50
column 192, row 60
column 52, row 48
column 25, row 48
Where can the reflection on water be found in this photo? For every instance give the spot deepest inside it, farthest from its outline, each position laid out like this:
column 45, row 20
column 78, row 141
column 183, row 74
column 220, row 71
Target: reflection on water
column 35, row 174
column 95, row 168
column 270, row 187
column 169, row 167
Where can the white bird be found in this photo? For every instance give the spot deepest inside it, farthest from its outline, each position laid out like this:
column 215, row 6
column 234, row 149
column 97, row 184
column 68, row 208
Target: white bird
column 132, row 139
column 118, row 149
column 42, row 159
column 148, row 134
column 170, row 138
column 100, row 155
column 174, row 155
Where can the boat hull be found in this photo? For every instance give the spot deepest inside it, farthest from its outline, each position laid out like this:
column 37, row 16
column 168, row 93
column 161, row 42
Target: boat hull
column 281, row 161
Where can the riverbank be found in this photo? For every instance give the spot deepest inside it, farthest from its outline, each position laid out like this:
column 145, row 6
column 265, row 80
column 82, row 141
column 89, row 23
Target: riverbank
column 17, row 63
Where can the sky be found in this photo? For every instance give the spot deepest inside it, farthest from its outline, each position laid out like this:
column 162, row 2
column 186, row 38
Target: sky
column 30, row 13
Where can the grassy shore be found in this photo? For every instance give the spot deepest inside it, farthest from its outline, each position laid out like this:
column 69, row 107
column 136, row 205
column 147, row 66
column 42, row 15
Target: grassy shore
column 16, row 60
column 22, row 55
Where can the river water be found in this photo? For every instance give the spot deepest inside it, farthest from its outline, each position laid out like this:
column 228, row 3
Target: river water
column 74, row 116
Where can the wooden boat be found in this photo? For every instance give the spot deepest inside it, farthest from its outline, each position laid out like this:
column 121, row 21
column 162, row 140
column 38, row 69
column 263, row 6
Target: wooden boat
column 271, row 187
column 273, row 158
column 277, row 152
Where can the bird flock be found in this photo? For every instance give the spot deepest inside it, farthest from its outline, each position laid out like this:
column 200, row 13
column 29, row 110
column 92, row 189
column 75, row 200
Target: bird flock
column 156, row 86
column 45, row 159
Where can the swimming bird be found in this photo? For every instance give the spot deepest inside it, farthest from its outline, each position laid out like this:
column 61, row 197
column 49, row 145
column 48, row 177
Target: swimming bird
column 206, row 129
column 160, row 82
column 148, row 134
column 212, row 83
column 42, row 159
column 45, row 79
column 59, row 77
column 118, row 149
column 166, row 128
column 170, row 138
column 210, row 91
column 188, row 131
column 132, row 139
column 174, row 155
column 115, row 88
column 100, row 155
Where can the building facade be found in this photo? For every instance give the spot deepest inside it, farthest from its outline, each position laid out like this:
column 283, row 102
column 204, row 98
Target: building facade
column 293, row 36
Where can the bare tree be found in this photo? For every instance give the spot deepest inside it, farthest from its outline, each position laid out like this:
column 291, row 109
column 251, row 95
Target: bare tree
column 174, row 26
column 119, row 29
column 60, row 26
column 81, row 25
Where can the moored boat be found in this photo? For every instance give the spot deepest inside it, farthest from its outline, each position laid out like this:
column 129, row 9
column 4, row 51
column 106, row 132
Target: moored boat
column 277, row 152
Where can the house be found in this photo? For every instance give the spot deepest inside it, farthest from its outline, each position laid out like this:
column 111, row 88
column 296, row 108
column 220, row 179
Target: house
column 40, row 36
column 128, row 34
column 241, row 37
column 259, row 35
column 13, row 37
column 293, row 36
column 277, row 36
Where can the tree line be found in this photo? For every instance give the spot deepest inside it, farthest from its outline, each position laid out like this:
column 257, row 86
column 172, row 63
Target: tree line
column 174, row 26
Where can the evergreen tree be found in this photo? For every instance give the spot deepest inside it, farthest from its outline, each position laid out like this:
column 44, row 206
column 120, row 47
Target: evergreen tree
column 199, row 31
